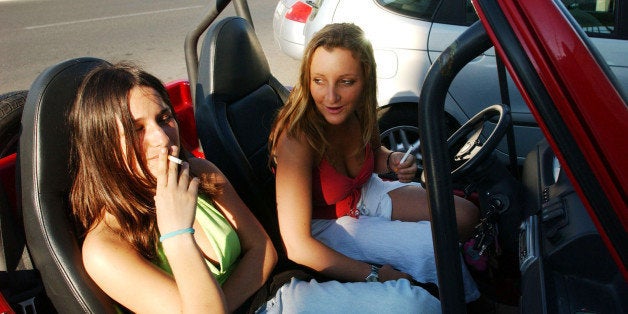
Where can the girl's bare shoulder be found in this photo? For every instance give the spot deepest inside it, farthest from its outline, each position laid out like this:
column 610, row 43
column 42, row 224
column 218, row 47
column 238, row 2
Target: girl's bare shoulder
column 199, row 165
column 103, row 244
column 293, row 141
column 295, row 146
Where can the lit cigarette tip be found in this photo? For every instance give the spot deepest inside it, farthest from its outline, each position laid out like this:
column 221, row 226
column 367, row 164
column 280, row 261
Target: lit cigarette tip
column 175, row 159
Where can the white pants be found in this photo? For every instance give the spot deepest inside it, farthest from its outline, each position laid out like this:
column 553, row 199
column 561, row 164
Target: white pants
column 375, row 201
column 406, row 246
column 354, row 297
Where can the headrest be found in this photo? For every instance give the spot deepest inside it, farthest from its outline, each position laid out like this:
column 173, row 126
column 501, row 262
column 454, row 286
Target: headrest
column 44, row 122
column 232, row 62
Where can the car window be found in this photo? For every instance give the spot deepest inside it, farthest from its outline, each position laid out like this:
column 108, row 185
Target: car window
column 470, row 14
column 596, row 17
column 422, row 9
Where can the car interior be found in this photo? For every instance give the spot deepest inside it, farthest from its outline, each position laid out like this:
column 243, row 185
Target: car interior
column 542, row 264
column 562, row 256
column 550, row 258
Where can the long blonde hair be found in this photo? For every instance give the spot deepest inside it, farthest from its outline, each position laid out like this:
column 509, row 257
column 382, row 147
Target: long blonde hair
column 299, row 116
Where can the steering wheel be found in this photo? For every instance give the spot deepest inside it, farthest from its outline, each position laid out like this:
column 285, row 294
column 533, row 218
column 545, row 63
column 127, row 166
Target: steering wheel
column 465, row 146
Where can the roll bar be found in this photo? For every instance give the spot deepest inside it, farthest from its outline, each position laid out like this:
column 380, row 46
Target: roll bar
column 191, row 39
column 473, row 42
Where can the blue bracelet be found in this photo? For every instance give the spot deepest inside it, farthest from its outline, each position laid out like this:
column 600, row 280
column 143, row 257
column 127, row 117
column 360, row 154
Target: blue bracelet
column 176, row 233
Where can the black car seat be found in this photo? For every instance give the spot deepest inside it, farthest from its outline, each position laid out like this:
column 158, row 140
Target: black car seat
column 43, row 160
column 235, row 104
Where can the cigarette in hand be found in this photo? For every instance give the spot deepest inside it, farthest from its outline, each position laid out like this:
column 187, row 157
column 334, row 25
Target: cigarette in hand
column 175, row 159
column 406, row 154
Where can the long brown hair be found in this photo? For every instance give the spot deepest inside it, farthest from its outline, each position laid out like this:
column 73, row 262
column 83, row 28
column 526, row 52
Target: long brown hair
column 299, row 116
column 106, row 179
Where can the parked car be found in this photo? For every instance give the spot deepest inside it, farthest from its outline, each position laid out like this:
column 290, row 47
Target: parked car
column 555, row 238
column 433, row 25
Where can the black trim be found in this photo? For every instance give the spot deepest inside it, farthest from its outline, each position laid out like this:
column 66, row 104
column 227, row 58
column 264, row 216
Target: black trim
column 510, row 134
column 451, row 12
column 621, row 19
column 428, row 15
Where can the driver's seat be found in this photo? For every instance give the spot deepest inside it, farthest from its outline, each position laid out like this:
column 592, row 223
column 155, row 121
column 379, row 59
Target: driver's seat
column 43, row 161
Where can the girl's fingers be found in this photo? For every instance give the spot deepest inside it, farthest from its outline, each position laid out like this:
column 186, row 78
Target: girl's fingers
column 406, row 170
column 173, row 167
column 162, row 166
column 193, row 187
column 184, row 174
column 408, row 163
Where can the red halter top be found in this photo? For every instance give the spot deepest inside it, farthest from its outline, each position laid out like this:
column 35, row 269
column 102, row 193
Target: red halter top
column 335, row 195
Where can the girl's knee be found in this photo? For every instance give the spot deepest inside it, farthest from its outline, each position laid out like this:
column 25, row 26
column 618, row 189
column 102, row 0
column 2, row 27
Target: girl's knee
column 467, row 216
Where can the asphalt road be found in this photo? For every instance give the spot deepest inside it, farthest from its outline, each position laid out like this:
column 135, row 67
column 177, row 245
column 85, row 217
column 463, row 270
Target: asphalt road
column 35, row 34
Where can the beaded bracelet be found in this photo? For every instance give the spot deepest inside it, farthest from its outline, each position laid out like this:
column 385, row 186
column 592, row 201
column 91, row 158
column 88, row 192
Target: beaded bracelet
column 176, row 233
column 388, row 162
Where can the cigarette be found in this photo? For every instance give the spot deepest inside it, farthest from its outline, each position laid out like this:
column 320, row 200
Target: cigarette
column 407, row 154
column 175, row 159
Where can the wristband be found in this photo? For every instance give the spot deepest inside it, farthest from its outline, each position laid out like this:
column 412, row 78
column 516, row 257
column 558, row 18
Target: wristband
column 374, row 275
column 388, row 162
column 176, row 233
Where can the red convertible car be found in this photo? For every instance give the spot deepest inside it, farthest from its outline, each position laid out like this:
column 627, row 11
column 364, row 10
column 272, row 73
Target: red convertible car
column 553, row 237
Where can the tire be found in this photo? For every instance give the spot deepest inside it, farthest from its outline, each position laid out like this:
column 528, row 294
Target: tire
column 11, row 107
column 401, row 122
column 399, row 129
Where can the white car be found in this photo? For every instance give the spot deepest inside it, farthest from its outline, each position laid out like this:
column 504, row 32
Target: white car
column 408, row 36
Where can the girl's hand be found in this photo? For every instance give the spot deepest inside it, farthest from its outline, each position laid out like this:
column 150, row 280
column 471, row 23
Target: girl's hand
column 175, row 198
column 386, row 273
column 405, row 171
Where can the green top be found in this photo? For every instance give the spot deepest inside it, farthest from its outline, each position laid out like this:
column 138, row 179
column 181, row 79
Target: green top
column 223, row 238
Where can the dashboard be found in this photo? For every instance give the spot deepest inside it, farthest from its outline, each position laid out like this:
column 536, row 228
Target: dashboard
column 565, row 266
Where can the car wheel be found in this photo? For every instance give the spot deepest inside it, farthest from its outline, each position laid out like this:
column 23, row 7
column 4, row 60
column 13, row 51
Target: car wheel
column 399, row 129
column 11, row 107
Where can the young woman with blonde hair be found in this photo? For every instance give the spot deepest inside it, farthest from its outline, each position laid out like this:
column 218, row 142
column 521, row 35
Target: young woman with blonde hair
column 335, row 214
